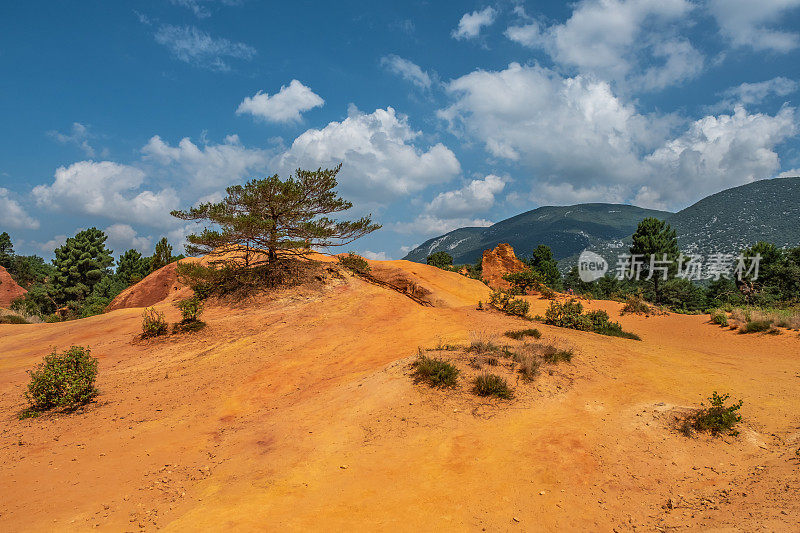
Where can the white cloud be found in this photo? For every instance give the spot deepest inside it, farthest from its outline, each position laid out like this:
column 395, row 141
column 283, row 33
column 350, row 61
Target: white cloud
column 196, row 47
column 791, row 173
column 122, row 237
column 426, row 226
column 375, row 256
column 567, row 128
column 615, row 39
column 379, row 158
column 13, row 215
column 200, row 7
column 755, row 93
column 208, row 166
column 407, row 70
column 747, row 23
column 283, row 106
column 715, row 153
column 476, row 197
column 583, row 143
column 471, row 24
column 79, row 136
column 107, row 189
column 49, row 246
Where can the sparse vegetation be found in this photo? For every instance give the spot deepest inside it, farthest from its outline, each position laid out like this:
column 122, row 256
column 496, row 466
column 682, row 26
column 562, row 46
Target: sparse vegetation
column 435, row 372
column 528, row 366
column 492, row 385
column 190, row 308
column 756, row 326
column 153, row 323
column 570, row 315
column 354, row 262
column 635, row 304
column 64, row 380
column 522, row 333
column 716, row 419
column 13, row 319
column 554, row 355
column 505, row 301
column 719, row 317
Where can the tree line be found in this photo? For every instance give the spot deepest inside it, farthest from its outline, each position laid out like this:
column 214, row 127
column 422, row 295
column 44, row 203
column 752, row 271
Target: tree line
column 83, row 277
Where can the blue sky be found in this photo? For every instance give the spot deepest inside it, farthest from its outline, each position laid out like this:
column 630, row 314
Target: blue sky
column 444, row 114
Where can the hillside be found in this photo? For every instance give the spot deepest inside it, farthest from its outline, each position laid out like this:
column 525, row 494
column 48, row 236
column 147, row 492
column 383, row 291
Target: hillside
column 728, row 221
column 296, row 411
column 766, row 210
column 566, row 230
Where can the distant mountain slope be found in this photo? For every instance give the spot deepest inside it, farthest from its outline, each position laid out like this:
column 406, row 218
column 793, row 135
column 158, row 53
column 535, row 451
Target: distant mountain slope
column 766, row 210
column 728, row 221
column 566, row 230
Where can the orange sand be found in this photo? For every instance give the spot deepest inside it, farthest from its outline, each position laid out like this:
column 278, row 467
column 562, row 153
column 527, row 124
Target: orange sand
column 296, row 412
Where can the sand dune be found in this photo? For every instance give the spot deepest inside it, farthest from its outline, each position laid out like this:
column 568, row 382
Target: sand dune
column 296, row 412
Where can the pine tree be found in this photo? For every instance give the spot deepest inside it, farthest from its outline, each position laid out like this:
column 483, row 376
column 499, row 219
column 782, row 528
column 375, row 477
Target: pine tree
column 6, row 250
column 267, row 220
column 655, row 238
column 440, row 260
column 80, row 264
column 132, row 267
column 162, row 256
column 542, row 262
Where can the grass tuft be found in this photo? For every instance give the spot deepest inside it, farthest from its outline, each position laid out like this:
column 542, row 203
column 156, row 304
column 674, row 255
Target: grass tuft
column 492, row 385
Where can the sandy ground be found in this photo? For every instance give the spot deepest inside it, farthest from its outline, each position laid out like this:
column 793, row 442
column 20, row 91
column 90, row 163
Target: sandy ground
column 297, row 412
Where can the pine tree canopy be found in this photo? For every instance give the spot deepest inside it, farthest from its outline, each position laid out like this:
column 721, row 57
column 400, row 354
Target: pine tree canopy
column 269, row 219
column 80, row 263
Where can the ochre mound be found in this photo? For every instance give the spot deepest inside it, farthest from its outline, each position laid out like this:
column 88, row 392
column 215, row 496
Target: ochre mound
column 9, row 289
column 157, row 287
column 428, row 284
column 296, row 409
column 498, row 262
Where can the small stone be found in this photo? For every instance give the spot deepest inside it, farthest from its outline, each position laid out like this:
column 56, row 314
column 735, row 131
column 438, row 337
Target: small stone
column 343, row 467
column 542, row 492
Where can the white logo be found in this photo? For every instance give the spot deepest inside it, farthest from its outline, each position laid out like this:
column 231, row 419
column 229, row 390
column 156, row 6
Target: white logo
column 591, row 266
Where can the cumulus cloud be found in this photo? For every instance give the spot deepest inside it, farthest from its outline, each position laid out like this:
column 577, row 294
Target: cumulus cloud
column 569, row 128
column 471, row 24
column 583, row 143
column 79, row 136
column 715, row 153
column 196, row 47
column 426, row 225
column 284, row 106
column 476, row 197
column 207, row 166
column 756, row 93
column 380, row 159
column 407, row 70
column 751, row 24
column 614, row 39
column 13, row 214
column 107, row 189
column 122, row 237
column 375, row 256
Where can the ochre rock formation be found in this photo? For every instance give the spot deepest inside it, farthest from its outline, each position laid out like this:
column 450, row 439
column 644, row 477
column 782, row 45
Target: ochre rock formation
column 499, row 262
column 9, row 289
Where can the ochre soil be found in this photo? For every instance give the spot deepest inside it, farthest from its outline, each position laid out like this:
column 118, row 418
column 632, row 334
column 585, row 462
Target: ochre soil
column 296, row 411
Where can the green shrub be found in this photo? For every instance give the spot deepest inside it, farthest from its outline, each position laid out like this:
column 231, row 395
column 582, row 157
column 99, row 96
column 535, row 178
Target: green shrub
column 719, row 317
column 570, row 315
column 13, row 319
column 435, row 372
column 716, row 419
column 64, row 380
column 756, row 326
column 492, row 385
column 522, row 333
column 635, row 304
column 153, row 323
column 504, row 301
column 523, row 281
column 554, row 355
column 354, row 262
column 191, row 308
column 547, row 293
